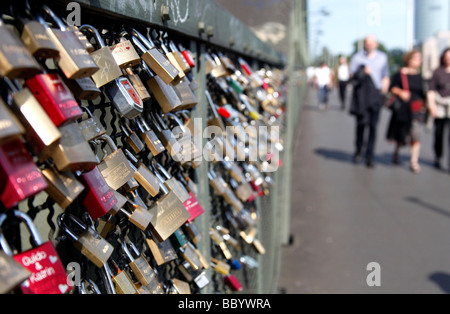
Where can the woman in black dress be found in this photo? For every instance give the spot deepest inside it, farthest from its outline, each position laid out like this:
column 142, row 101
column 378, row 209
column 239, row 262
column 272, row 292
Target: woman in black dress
column 408, row 88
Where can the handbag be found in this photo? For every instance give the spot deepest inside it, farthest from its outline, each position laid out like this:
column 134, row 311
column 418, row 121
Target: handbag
column 418, row 108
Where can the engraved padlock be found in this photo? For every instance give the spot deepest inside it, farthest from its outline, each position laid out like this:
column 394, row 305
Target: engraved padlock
column 74, row 60
column 155, row 59
column 103, row 57
column 124, row 53
column 146, row 178
column 48, row 275
column 132, row 138
column 123, row 284
column 87, row 240
column 184, row 65
column 149, row 137
column 173, row 60
column 138, row 216
column 115, row 167
column 91, row 127
column 15, row 60
column 172, row 183
column 21, row 177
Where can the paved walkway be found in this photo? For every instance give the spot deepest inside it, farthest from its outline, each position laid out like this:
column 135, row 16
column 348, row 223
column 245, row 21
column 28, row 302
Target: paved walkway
column 345, row 216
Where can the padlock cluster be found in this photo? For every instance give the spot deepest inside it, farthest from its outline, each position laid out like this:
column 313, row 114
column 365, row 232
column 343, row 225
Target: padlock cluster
column 101, row 123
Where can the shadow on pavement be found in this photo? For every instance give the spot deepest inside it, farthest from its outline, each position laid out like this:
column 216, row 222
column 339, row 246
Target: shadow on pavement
column 442, row 280
column 426, row 205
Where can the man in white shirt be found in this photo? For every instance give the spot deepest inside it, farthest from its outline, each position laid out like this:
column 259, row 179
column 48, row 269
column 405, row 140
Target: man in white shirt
column 343, row 78
column 323, row 81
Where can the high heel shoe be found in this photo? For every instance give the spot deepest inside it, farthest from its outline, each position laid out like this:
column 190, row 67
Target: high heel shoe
column 415, row 168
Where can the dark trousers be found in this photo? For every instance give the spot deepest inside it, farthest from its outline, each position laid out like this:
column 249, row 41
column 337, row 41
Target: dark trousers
column 362, row 128
column 439, row 130
column 343, row 92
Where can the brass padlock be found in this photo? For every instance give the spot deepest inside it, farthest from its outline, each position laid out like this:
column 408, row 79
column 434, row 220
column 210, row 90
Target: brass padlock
column 10, row 127
column 91, row 127
column 132, row 138
column 169, row 214
column 171, row 182
column 216, row 119
column 40, row 133
column 167, row 138
column 125, row 54
column 103, row 57
column 74, row 61
column 184, row 65
column 217, row 183
column 138, row 84
column 149, row 137
column 173, row 60
column 144, row 176
column 213, row 68
column 162, row 252
column 155, row 59
column 73, row 152
column 123, row 283
column 85, row 43
column 139, row 216
column 87, row 240
column 37, row 40
column 15, row 59
column 63, row 188
column 115, row 167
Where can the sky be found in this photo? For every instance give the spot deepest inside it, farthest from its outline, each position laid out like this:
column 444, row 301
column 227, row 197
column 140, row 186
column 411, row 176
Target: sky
column 350, row 20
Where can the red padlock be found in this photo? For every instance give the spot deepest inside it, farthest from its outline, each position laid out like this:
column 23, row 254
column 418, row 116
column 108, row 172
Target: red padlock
column 99, row 198
column 21, row 178
column 223, row 112
column 193, row 207
column 233, row 283
column 48, row 275
column 55, row 97
column 187, row 56
column 245, row 67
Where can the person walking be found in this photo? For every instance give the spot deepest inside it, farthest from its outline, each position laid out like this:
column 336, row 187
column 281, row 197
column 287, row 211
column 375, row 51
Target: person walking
column 343, row 76
column 371, row 79
column 323, row 81
column 439, row 105
column 408, row 87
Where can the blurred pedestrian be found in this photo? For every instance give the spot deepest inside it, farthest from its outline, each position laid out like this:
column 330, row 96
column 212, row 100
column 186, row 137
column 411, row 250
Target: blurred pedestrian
column 370, row 78
column 439, row 105
column 323, row 82
column 343, row 76
column 408, row 87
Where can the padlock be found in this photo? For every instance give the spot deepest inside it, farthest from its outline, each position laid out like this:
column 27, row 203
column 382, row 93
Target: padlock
column 234, row 170
column 48, row 275
column 87, row 240
column 10, row 127
column 88, row 286
column 55, row 97
column 165, row 94
column 228, row 238
column 191, row 149
column 217, row 183
column 36, row 39
column 125, row 98
column 144, row 176
column 159, row 63
column 187, row 54
column 171, row 182
column 139, row 216
column 83, row 88
column 228, row 64
column 74, row 60
column 244, row 65
column 167, row 138
column 40, row 133
column 220, row 267
column 190, row 185
column 103, row 57
column 192, row 204
column 217, row 238
column 115, row 167
column 142, row 269
column 232, row 282
column 179, row 287
column 98, row 197
column 213, row 68
column 243, row 191
column 12, row 274
column 169, row 213
column 138, row 84
column 149, row 137
column 73, row 152
column 232, row 200
column 173, row 60
column 63, row 188
column 185, row 94
column 21, row 177
column 125, row 54
column 132, row 138
column 184, row 65
column 15, row 60
column 123, row 283
column 162, row 252
column 192, row 232
column 189, row 253
column 84, row 41
column 197, row 277
column 91, row 127
column 216, row 119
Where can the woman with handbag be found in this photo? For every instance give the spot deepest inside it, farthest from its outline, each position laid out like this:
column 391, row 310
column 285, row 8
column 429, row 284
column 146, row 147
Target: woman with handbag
column 407, row 88
column 439, row 105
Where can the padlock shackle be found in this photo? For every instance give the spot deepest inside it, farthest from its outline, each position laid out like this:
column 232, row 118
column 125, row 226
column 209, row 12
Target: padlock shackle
column 109, row 141
column 91, row 284
column 36, row 238
column 211, row 104
column 127, row 251
column 164, row 48
column 12, row 85
column 55, row 18
column 177, row 121
column 3, row 243
column 107, row 279
column 132, row 159
column 173, row 46
column 95, row 32
column 145, row 41
column 139, row 44
column 63, row 225
column 160, row 121
column 161, row 169
column 161, row 180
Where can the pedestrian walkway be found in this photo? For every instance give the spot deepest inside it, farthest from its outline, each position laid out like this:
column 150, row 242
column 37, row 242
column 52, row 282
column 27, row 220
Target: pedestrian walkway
column 345, row 216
